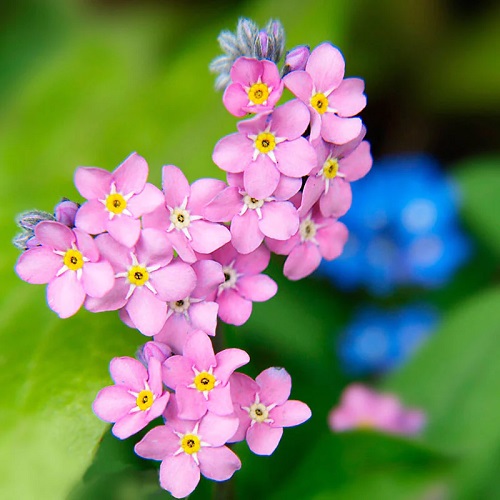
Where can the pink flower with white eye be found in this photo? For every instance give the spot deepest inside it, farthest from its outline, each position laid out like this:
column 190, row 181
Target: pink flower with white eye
column 189, row 448
column 136, row 398
column 256, row 87
column 263, row 409
column 146, row 279
column 361, row 408
column 200, row 377
column 182, row 215
column 243, row 283
column 329, row 182
column 69, row 261
column 318, row 237
column 331, row 99
column 268, row 147
column 194, row 312
column 252, row 219
column 116, row 200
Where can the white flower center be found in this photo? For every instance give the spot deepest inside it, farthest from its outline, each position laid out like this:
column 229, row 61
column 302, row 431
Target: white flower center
column 307, row 230
column 230, row 277
column 180, row 218
column 180, row 306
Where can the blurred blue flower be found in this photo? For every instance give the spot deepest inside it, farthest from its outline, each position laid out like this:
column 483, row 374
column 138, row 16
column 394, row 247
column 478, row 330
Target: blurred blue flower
column 403, row 227
column 377, row 341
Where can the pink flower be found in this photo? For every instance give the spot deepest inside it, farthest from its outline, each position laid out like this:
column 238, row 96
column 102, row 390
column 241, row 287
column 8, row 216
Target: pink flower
column 332, row 100
column 136, row 398
column 200, row 378
column 268, row 147
column 361, row 407
column 116, row 200
column 187, row 448
column 252, row 218
column 256, row 87
column 243, row 283
column 318, row 237
column 146, row 279
column 263, row 409
column 69, row 261
column 329, row 181
column 194, row 312
column 182, row 215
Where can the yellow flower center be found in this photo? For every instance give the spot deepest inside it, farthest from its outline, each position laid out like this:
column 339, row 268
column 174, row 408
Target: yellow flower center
column 145, row 399
column 190, row 443
column 331, row 168
column 204, row 381
column 73, row 259
column 265, row 142
column 116, row 203
column 319, row 102
column 258, row 93
column 258, row 412
column 138, row 275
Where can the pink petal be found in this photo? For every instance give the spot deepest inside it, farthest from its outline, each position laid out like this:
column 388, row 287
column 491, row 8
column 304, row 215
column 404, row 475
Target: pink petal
column 208, row 236
column 115, row 253
column 233, row 308
column 261, row 178
column 217, row 429
column 155, row 376
column 153, row 248
column 313, row 189
column 174, row 332
column 158, row 443
column 235, row 99
column 253, row 263
column 246, row 71
column 332, row 239
column 279, row 220
column 199, row 349
column 128, row 372
column 228, row 361
column 38, row 265
column 182, row 246
column 290, row 413
column 338, row 200
column 204, row 316
column 175, row 186
column 263, row 439
column 113, row 403
column 275, row 384
column 287, row 187
column 290, row 120
column 149, row 199
column 54, row 235
column 130, row 424
column 131, row 175
column 87, row 245
column 157, row 219
column 92, row 217
column 124, row 229
column 174, row 282
column 220, row 403
column 147, row 312
column 65, row 294
column 246, row 233
column 179, row 475
column 302, row 261
column 300, row 84
column 111, row 301
column 219, row 463
column 177, row 371
column 295, row 158
column 243, row 389
column 209, row 276
column 340, row 130
column 98, row 278
column 283, row 247
column 257, row 288
column 191, row 402
column 357, row 164
column 348, row 98
column 233, row 152
column 326, row 66
column 224, row 206
column 203, row 191
column 93, row 183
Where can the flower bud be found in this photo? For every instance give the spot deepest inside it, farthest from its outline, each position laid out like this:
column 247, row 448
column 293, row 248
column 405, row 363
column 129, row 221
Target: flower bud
column 65, row 212
column 153, row 349
column 296, row 59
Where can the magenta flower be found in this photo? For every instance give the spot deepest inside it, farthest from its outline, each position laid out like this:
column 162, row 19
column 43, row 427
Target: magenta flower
column 252, row 218
column 263, row 409
column 69, row 261
column 194, row 312
column 329, row 181
column 146, row 278
column 136, row 398
column 256, row 87
column 190, row 448
column 182, row 215
column 361, row 407
column 331, row 99
column 243, row 283
column 200, row 378
column 318, row 237
column 268, row 147
column 116, row 200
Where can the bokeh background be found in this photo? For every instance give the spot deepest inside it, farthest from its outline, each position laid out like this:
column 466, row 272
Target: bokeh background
column 88, row 82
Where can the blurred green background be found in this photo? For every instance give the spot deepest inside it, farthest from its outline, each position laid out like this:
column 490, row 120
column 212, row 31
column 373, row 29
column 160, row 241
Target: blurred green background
column 88, row 82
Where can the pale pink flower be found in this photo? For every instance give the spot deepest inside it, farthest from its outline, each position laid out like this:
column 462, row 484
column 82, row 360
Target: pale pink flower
column 263, row 409
column 136, row 398
column 256, row 87
column 146, row 278
column 182, row 215
column 116, row 200
column 268, row 147
column 200, row 377
column 363, row 408
column 69, row 261
column 331, row 99
column 243, row 283
column 329, row 182
column 189, row 448
column 193, row 312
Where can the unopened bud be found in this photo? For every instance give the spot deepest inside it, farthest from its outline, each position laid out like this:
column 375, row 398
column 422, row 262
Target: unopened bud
column 296, row 59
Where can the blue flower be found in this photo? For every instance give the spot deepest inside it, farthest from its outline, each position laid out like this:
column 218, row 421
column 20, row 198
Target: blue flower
column 377, row 341
column 404, row 228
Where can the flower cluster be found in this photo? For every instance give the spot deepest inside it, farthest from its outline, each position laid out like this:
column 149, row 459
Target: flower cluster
column 174, row 261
